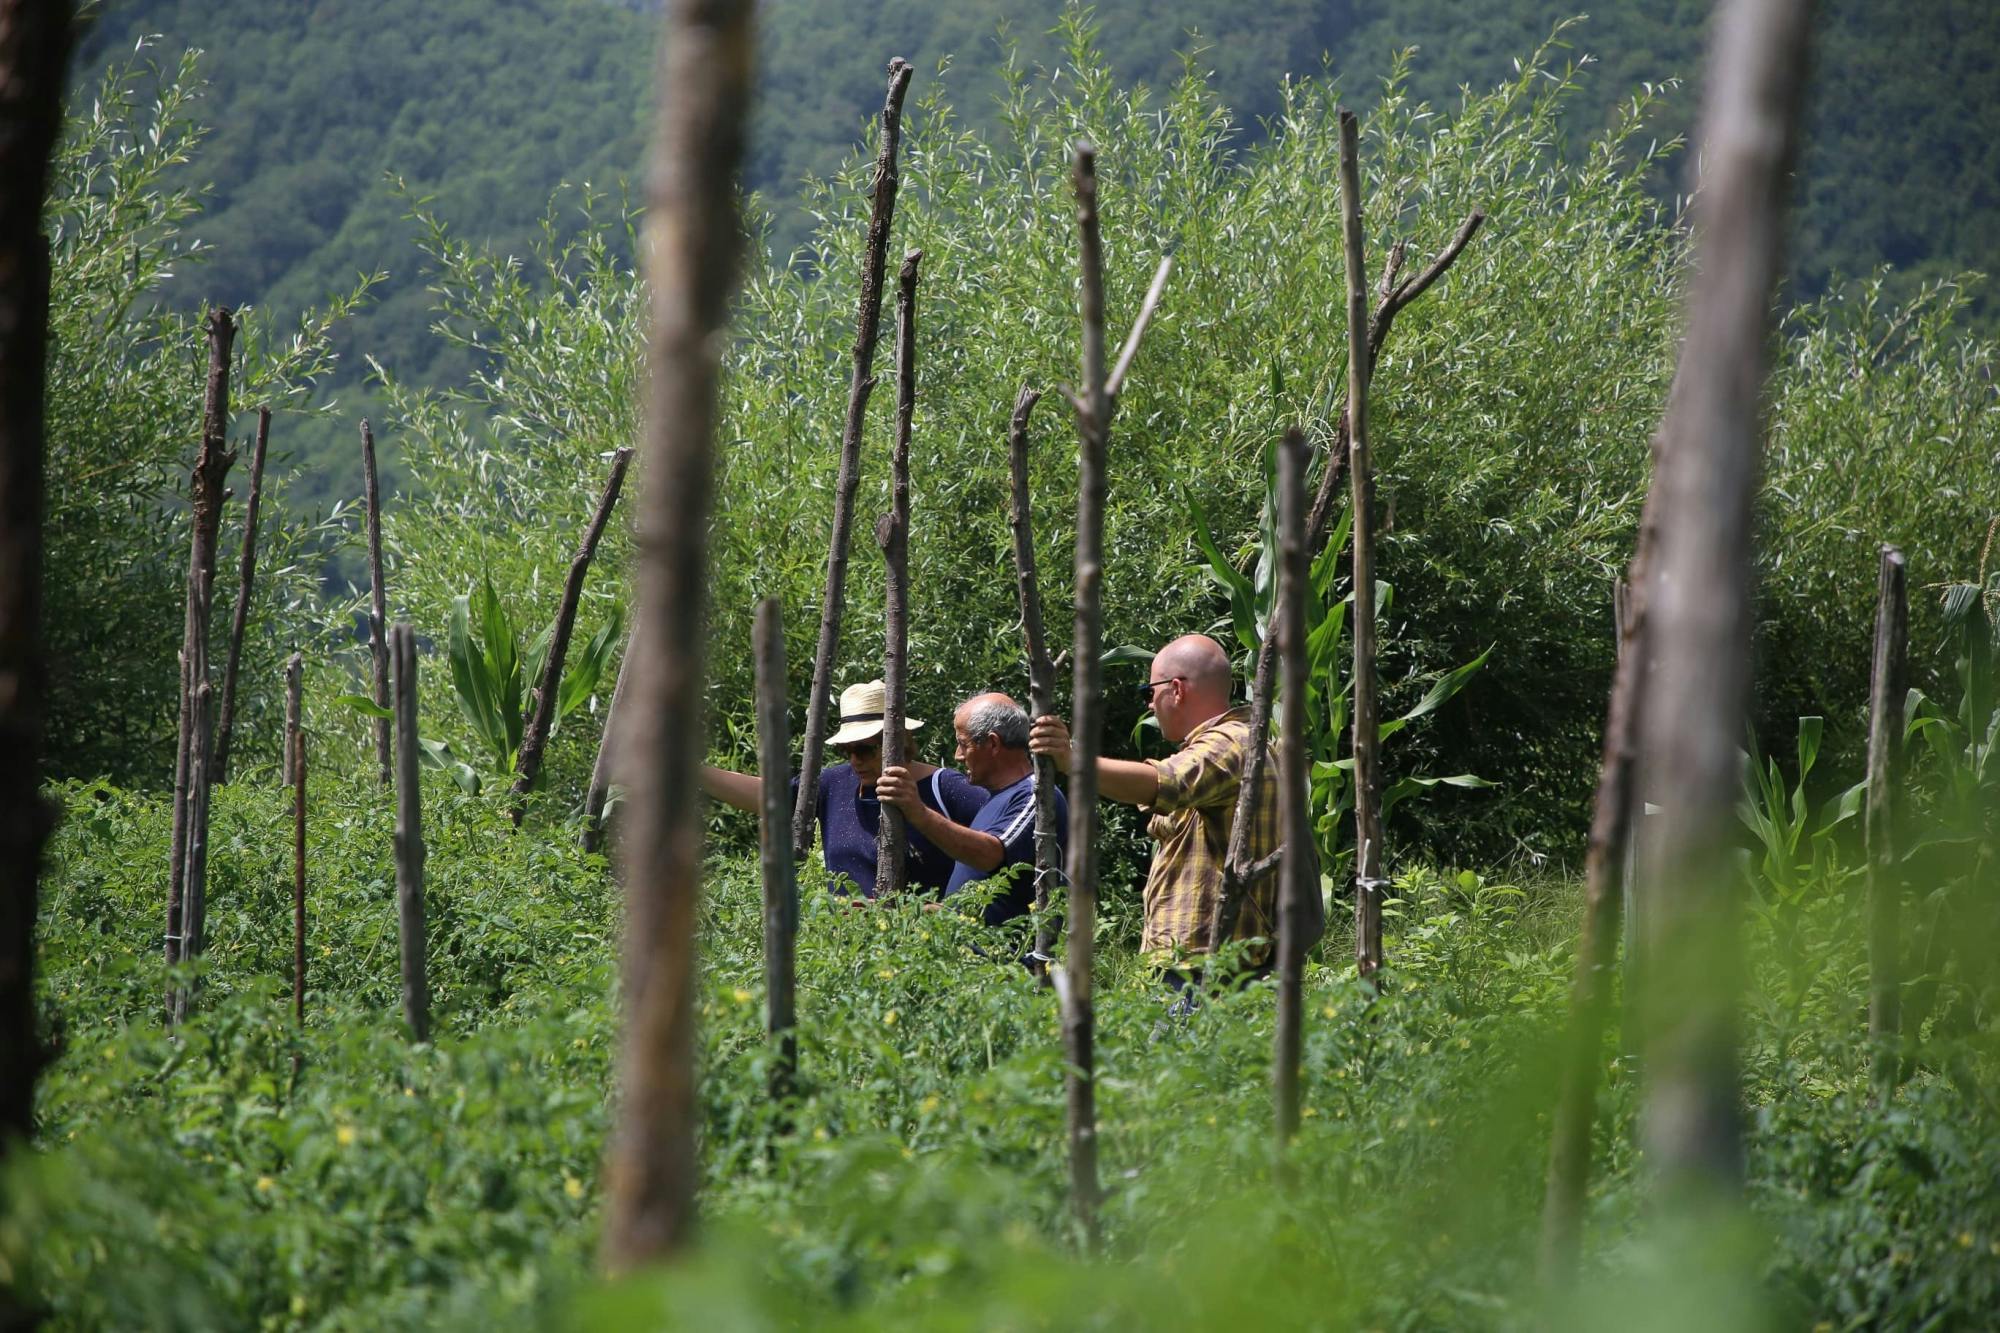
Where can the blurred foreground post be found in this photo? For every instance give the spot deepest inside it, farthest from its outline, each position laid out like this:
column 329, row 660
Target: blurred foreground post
column 1299, row 874
column 892, row 534
column 1368, row 882
column 861, row 383
column 1093, row 428
column 692, row 236
column 1041, row 678
column 410, row 840
column 378, row 612
column 781, row 886
column 1698, row 605
column 1885, row 773
column 542, row 717
column 246, row 575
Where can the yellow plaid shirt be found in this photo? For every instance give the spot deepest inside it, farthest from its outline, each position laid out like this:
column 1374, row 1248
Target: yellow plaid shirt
column 1191, row 819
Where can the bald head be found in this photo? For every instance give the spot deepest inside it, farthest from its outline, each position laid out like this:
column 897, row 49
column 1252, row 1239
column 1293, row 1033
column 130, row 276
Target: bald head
column 1202, row 676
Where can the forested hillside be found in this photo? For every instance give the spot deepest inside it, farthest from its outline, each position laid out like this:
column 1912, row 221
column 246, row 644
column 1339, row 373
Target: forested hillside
column 484, row 108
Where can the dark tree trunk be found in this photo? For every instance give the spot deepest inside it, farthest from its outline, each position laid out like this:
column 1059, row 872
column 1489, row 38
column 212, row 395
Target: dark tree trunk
column 1698, row 602
column 378, row 613
column 1041, row 680
column 205, row 491
column 246, row 575
column 1093, row 428
column 602, row 772
column 781, row 889
column 410, row 841
column 295, row 748
column 1368, row 882
column 867, row 330
column 542, row 708
column 1887, row 684
column 693, row 236
column 1300, row 873
column 893, row 535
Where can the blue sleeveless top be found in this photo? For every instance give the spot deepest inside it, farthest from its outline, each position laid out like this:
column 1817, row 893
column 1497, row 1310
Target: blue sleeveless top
column 850, row 817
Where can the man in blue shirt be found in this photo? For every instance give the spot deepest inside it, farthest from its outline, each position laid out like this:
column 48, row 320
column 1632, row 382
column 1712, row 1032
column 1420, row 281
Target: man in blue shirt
column 999, row 843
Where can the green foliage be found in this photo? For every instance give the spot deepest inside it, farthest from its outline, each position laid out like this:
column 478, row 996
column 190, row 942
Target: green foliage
column 1795, row 844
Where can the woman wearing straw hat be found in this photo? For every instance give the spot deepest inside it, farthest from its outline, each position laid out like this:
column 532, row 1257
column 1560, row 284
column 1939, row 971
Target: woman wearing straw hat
column 849, row 811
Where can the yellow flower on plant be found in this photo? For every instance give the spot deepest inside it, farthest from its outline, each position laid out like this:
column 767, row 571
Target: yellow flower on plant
column 740, row 995
column 573, row 1187
column 264, row 1184
column 344, row 1136
column 929, row 1104
column 887, row 974
column 889, row 1019
column 1965, row 1240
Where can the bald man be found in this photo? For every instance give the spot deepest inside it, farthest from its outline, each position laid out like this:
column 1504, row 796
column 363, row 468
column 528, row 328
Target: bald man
column 1191, row 796
column 999, row 844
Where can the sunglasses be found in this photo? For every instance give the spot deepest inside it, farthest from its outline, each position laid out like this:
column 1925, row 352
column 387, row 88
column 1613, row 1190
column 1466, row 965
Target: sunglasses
column 860, row 748
column 1146, row 690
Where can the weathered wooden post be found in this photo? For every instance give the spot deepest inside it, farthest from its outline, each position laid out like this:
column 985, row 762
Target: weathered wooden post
column 34, row 47
column 410, row 840
column 378, row 614
column 1093, row 413
column 206, row 494
column 692, row 239
column 1041, row 679
column 781, row 889
column 1886, row 688
column 867, row 330
column 295, row 769
column 1368, row 881
column 542, row 708
column 246, row 575
column 1299, row 874
column 1698, row 604
column 598, row 794
column 892, row 534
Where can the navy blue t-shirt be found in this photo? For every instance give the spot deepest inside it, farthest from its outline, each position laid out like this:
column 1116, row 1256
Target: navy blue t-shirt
column 849, row 818
column 1010, row 817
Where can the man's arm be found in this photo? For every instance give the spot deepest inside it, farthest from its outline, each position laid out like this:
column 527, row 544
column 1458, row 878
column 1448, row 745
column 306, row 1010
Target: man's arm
column 742, row 790
column 1130, row 781
column 982, row 851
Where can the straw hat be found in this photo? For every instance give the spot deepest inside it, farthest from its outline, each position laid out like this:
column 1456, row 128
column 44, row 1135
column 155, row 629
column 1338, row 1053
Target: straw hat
column 861, row 714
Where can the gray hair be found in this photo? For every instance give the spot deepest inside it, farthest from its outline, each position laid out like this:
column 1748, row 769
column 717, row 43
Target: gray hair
column 1007, row 721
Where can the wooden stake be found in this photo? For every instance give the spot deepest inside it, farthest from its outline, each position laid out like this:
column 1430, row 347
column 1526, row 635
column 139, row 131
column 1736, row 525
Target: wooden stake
column 599, row 794
column 1698, row 604
column 1041, row 681
column 34, row 51
column 1887, row 684
column 1093, row 420
column 892, row 534
column 781, row 889
column 245, row 576
column 542, row 708
column 1300, row 873
column 410, row 840
column 867, row 329
column 378, row 614
column 295, row 748
column 692, row 239
column 1368, row 881
column 206, row 493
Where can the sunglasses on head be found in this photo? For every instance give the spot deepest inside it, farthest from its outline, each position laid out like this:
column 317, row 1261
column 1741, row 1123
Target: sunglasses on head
column 1146, row 690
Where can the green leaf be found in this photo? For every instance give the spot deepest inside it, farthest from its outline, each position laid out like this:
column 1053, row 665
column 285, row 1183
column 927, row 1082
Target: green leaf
column 582, row 675
column 364, row 705
column 1242, row 597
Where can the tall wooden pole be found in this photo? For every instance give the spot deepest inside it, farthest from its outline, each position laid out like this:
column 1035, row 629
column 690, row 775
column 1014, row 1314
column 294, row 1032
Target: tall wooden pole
column 1699, row 606
column 691, row 255
column 1887, row 684
column 1368, row 882
column 1093, row 428
column 295, row 747
column 1041, row 678
column 378, row 613
column 861, row 383
column 410, row 840
column 892, row 534
column 1299, row 874
column 246, row 574
column 34, row 48
column 542, row 711
column 206, row 495
column 781, row 888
